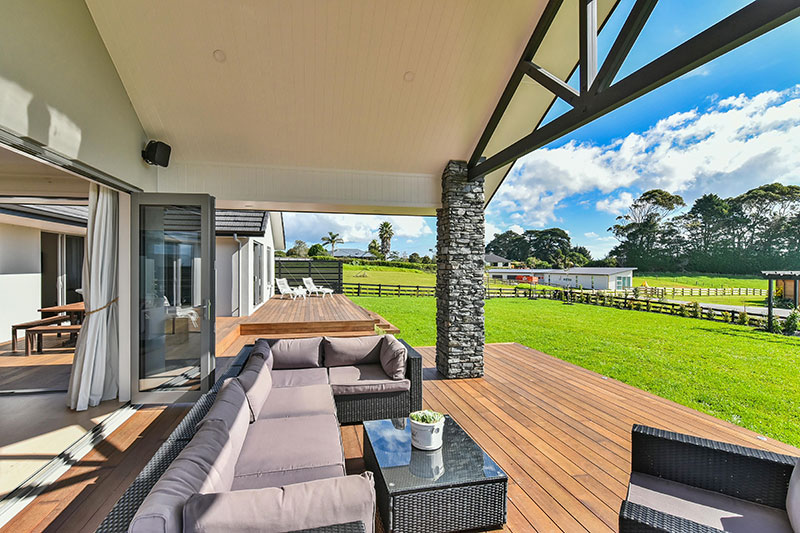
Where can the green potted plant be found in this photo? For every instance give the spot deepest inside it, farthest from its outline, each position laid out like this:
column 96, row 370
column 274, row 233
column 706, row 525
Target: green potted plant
column 427, row 428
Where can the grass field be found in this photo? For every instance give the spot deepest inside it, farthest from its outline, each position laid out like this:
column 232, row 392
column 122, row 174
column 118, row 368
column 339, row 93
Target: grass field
column 390, row 276
column 687, row 279
column 732, row 372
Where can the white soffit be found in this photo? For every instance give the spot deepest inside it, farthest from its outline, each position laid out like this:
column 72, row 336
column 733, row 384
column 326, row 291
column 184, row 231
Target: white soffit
column 23, row 176
column 312, row 108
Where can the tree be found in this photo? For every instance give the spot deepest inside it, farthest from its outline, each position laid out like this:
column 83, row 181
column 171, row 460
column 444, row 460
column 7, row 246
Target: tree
column 414, row 258
column 425, row 260
column 510, row 245
column 300, row 249
column 332, row 239
column 317, row 249
column 375, row 249
column 385, row 234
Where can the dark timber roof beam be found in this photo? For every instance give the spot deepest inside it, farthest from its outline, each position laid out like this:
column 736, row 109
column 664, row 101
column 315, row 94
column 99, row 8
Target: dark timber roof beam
column 550, row 82
column 599, row 96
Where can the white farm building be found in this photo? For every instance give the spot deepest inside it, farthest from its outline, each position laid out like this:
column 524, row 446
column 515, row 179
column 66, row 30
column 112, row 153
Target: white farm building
column 603, row 278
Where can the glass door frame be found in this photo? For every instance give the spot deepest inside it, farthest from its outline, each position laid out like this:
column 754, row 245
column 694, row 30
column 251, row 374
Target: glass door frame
column 207, row 290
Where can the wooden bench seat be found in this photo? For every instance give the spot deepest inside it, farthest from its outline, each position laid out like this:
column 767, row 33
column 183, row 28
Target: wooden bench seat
column 34, row 335
column 58, row 319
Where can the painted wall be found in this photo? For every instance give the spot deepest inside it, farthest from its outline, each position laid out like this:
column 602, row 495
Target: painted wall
column 234, row 298
column 59, row 87
column 20, row 277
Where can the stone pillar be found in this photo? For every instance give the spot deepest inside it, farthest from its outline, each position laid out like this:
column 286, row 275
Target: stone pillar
column 459, row 274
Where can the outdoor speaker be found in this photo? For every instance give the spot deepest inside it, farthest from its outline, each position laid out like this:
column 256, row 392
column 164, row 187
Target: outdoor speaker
column 157, row 153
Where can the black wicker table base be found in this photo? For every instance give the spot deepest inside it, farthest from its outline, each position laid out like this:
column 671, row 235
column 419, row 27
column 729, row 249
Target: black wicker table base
column 455, row 488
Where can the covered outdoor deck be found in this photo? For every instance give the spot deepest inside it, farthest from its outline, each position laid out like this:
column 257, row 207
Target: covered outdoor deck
column 562, row 433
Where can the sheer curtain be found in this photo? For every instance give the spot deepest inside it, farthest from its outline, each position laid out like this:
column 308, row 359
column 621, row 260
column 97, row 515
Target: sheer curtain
column 95, row 368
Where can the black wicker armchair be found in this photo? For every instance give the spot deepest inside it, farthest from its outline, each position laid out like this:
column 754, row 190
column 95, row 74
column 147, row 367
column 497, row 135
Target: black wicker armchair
column 681, row 483
column 360, row 407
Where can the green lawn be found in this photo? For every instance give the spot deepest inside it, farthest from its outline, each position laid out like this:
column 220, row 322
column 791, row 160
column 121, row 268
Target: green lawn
column 732, row 372
column 391, row 276
column 673, row 279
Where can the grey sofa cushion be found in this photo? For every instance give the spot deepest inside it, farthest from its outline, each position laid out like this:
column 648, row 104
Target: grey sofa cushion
column 275, row 447
column 230, row 406
column 204, row 465
column 261, row 349
column 299, row 377
column 256, row 380
column 706, row 507
column 296, row 353
column 393, row 355
column 299, row 401
column 793, row 498
column 364, row 379
column 294, row 507
column 345, row 351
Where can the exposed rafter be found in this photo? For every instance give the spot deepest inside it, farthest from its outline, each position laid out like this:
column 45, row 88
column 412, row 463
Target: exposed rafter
column 550, row 82
column 588, row 43
column 549, row 13
column 601, row 96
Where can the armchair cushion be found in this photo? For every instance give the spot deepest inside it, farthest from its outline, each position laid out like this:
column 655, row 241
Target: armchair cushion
column 344, row 351
column 393, row 355
column 296, row 353
column 364, row 379
column 256, row 380
column 706, row 507
column 290, row 508
column 793, row 498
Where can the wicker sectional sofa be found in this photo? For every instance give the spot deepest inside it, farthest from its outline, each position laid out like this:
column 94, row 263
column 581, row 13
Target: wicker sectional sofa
column 268, row 454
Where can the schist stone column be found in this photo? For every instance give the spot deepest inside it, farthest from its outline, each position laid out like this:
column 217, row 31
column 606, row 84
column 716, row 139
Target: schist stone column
column 459, row 274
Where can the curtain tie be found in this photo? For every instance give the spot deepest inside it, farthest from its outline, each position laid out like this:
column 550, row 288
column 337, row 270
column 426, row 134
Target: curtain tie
column 87, row 313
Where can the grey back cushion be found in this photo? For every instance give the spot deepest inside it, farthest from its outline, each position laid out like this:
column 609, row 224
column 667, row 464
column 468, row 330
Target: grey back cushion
column 261, row 349
column 793, row 498
column 296, row 353
column 256, row 380
column 205, row 465
column 393, row 355
column 347, row 351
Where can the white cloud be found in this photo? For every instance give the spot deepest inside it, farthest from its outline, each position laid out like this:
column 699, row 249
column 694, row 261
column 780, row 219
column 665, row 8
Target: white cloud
column 735, row 144
column 591, row 235
column 516, row 228
column 615, row 206
column 311, row 227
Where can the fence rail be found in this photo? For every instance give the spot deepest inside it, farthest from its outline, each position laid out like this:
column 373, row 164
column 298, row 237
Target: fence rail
column 697, row 291
column 380, row 289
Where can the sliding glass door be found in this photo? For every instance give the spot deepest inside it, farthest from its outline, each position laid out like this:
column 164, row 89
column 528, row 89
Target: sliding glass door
column 173, row 286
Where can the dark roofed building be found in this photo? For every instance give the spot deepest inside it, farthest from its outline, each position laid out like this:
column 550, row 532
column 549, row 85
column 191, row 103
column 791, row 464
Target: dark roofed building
column 352, row 253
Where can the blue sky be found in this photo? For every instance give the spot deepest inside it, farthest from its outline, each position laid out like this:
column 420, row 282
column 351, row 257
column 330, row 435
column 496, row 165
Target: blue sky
column 725, row 127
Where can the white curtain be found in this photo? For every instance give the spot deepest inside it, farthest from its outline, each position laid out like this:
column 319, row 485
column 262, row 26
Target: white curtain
column 95, row 368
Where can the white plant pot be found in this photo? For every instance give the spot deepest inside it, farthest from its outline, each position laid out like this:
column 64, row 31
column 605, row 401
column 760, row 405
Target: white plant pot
column 427, row 436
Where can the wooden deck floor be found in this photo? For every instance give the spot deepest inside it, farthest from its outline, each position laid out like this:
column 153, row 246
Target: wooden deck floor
column 312, row 315
column 561, row 433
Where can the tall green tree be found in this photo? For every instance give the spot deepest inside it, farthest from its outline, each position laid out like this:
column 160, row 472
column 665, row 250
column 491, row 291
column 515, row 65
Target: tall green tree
column 300, row 249
column 332, row 239
column 316, row 249
column 375, row 249
column 385, row 234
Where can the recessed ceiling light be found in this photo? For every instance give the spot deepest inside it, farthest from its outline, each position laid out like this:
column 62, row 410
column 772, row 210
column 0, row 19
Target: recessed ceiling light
column 408, row 76
column 219, row 56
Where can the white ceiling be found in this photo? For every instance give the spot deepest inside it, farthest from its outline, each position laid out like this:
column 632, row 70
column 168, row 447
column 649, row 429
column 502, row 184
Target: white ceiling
column 322, row 85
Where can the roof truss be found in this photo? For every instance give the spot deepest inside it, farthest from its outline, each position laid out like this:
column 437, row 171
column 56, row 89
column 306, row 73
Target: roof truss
column 598, row 93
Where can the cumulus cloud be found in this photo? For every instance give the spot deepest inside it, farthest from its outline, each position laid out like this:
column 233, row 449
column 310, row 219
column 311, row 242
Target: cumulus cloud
column 591, row 235
column 735, row 144
column 311, row 227
column 615, row 205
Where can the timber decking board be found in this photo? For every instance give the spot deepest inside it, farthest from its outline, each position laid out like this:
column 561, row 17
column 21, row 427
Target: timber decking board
column 314, row 314
column 561, row 433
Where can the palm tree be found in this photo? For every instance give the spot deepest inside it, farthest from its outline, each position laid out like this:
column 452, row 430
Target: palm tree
column 332, row 240
column 385, row 233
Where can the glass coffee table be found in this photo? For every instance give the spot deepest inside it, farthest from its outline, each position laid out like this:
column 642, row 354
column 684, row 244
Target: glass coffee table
column 455, row 488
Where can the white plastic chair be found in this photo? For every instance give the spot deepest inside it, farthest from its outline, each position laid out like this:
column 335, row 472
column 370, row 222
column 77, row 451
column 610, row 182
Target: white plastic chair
column 285, row 289
column 313, row 289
